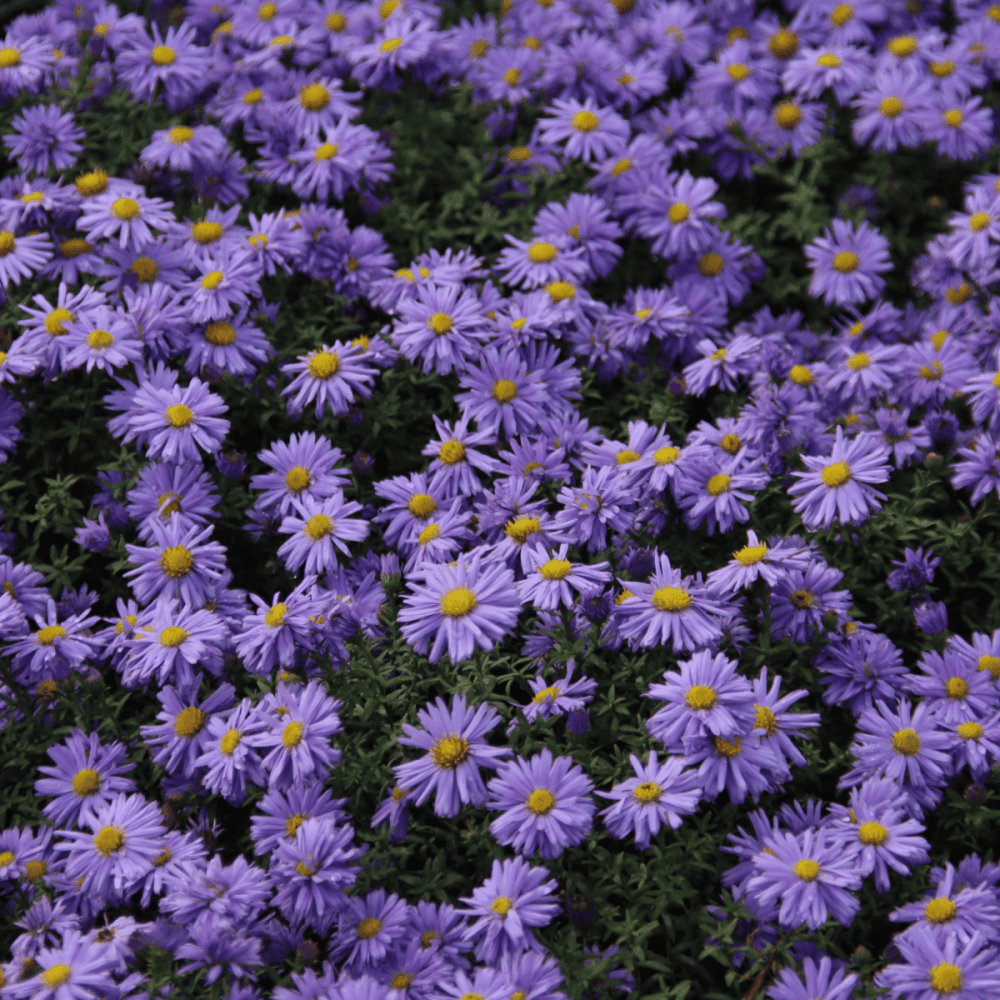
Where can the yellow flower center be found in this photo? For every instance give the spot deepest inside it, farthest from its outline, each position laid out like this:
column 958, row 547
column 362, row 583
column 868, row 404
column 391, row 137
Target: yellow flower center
column 845, row 262
column 390, row 45
column 34, row 870
column 179, row 415
column 162, row 55
column 92, row 183
column 788, row 114
column 458, row 603
column 220, row 333
column 783, row 44
column 293, row 823
column 750, row 555
column 504, row 390
column 176, row 561
column 710, row 265
column 956, row 687
column 931, row 372
column 180, row 134
column 145, row 269
column 802, row 599
column 585, row 121
column 230, row 741
column 621, row 166
column 48, row 635
column 903, row 46
column 836, row 474
column 906, row 742
column 828, row 60
column 678, row 212
column 873, row 834
column 556, row 569
column 501, row 905
column 9, row 57
column 723, row 748
column 97, row 340
column 6, row 859
column 956, row 296
column 324, row 364
column 512, row 77
column 190, row 721
column 766, row 720
column 172, row 636
column 979, row 221
column 314, row 97
column 559, row 291
column 318, row 526
column 450, row 751
column 943, row 68
column 806, row 869
column 125, row 209
column 207, row 232
column 946, row 978
column 700, row 697
column 86, row 782
column 429, row 534
column 292, row 735
column 647, row 792
column 940, row 910
column 970, row 730
column 519, row 154
column 479, row 48
column 109, row 840
column 671, row 599
column 738, row 71
column 73, row 248
column 368, row 928
column 421, row 505
column 440, row 323
column 666, row 456
column 267, row 11
column 718, row 484
column 841, row 14
column 451, row 452
column 253, row 97
column 545, row 694
column 891, row 107
column 298, row 479
column 988, row 662
column 542, row 253
column 56, row 975
column 55, row 319
column 540, row 802
column 400, row 981
column 953, row 117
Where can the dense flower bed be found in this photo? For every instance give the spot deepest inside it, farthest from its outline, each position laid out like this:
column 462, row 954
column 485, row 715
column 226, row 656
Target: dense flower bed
column 545, row 539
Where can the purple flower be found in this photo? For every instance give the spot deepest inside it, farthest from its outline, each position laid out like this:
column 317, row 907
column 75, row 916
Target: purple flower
column 220, row 950
column 558, row 698
column 180, row 147
column 603, row 500
column 230, row 752
column 846, row 263
column 811, row 874
column 456, row 749
column 321, row 528
column 547, row 584
column 55, row 649
column 228, row 279
column 546, row 804
column 503, row 393
column 824, row 980
column 45, row 137
column 740, row 766
column 86, row 776
column 81, row 967
column 659, row 794
column 836, row 485
column 179, row 563
column 333, row 377
column 890, row 113
column 865, row 668
column 915, row 570
column 368, row 928
column 126, row 212
column 94, row 536
column 304, row 470
column 590, row 132
column 776, row 723
column 21, row 256
column 125, row 837
column 273, row 635
column 172, row 62
column 462, row 607
column 670, row 608
column 931, row 616
column 515, row 898
column 165, row 492
column 952, row 908
column 958, row 967
column 456, row 458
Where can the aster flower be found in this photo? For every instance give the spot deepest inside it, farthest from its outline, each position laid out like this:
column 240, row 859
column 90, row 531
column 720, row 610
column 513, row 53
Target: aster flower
column 230, row 755
column 976, row 744
column 180, row 562
column 335, row 377
column 175, row 422
column 669, row 608
column 836, row 485
column 78, row 968
column 953, row 689
column 101, row 339
column 978, row 466
column 399, row 45
column 512, row 888
column 44, row 137
column 847, row 262
column 463, row 607
column 454, row 739
column 658, row 795
column 164, row 492
column 456, row 458
column 119, row 849
column 558, row 698
column 86, row 776
column 227, row 280
column 368, row 929
column 320, row 529
column 758, row 559
column 56, row 648
column 128, row 213
column 538, row 262
column 171, row 61
column 740, row 766
column 545, row 802
column 274, row 634
column 304, row 471
column 589, row 131
column 603, row 500
column 958, row 967
column 232, row 951
column 551, row 575
column 823, row 980
column 22, row 256
column 890, row 113
column 181, row 147
column 810, row 875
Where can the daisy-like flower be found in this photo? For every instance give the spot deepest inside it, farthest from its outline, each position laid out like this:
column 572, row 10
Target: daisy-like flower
column 23, row 63
column 334, row 377
column 318, row 530
column 456, row 458
column 768, row 560
column 546, row 804
column 954, row 907
column 180, row 563
column 171, row 643
column 503, row 393
column 164, row 492
column 181, row 147
column 59, row 645
column 706, row 696
column 438, row 541
column 953, row 688
column 558, row 698
column 300, row 738
column 934, row 966
column 277, row 631
column 21, row 256
column 538, row 262
column 659, row 795
column 228, row 279
column 812, row 877
column 591, row 133
column 842, row 69
column 172, row 61
column 776, row 725
column 456, row 748
column 604, row 500
column 126, row 212
column 799, row 601
column 551, row 576
column 862, row 375
column 670, row 608
column 175, row 422
column 312, row 869
column 80, row 967
column 44, row 137
column 823, row 980
column 442, row 327
column 513, row 888
column 230, row 756
column 125, row 837
column 837, row 485
column 100, row 339
column 978, row 466
column 740, row 766
column 179, row 740
column 890, row 113
column 715, row 492
column 400, row 44
column 460, row 607
column 86, row 775
column 368, row 929
column 304, row 471
column 847, row 263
